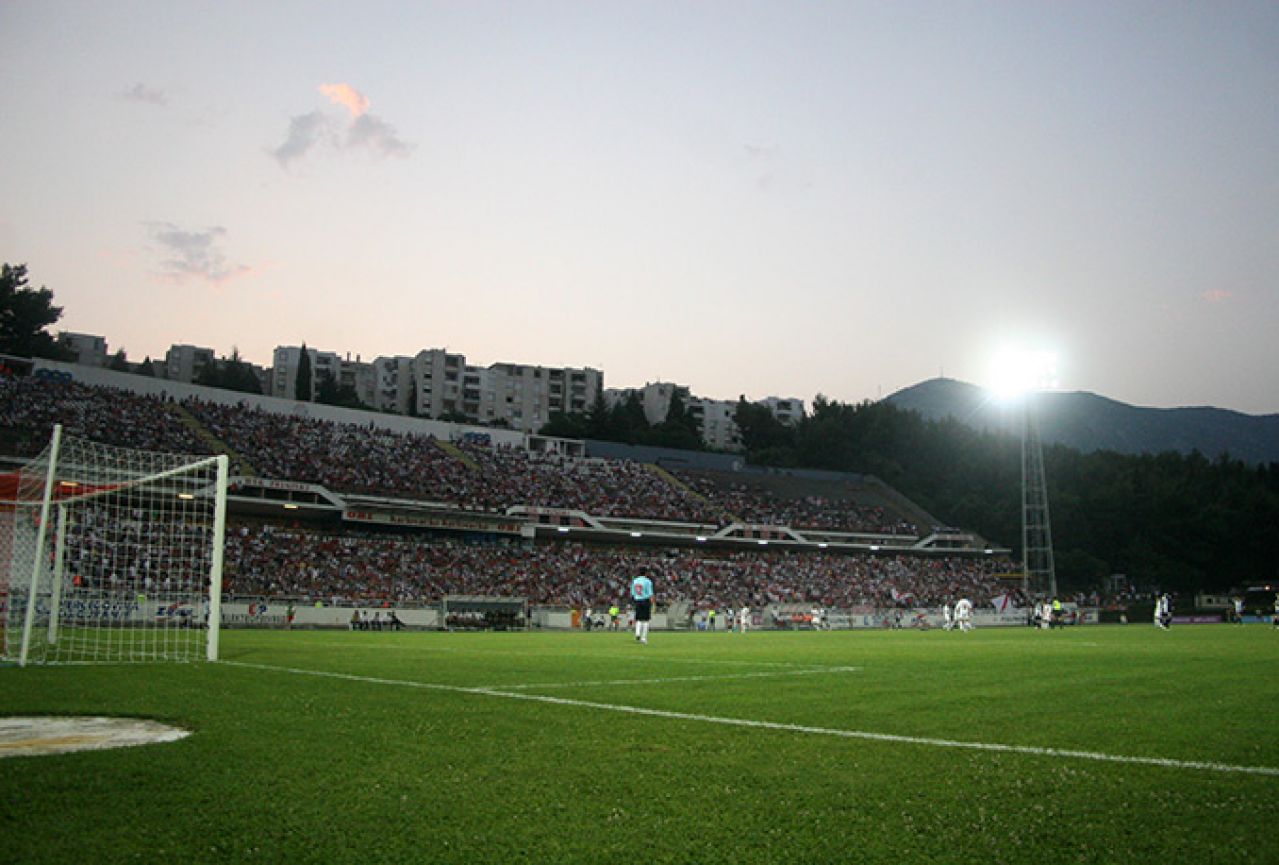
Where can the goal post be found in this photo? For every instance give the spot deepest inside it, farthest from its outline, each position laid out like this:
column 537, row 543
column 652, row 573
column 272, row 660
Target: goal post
column 114, row 555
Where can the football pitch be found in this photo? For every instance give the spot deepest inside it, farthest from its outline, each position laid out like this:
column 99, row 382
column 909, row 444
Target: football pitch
column 1095, row 744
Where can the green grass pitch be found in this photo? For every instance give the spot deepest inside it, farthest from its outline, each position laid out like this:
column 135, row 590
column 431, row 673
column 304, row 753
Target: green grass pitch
column 1127, row 744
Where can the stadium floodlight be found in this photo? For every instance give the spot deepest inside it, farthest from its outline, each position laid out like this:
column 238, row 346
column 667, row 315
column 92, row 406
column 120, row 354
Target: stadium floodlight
column 1015, row 372
column 1017, row 375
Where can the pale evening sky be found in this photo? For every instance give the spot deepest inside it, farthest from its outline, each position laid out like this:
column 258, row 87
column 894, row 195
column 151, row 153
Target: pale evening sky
column 779, row 198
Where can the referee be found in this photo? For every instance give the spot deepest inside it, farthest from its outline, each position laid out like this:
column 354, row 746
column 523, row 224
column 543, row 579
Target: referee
column 642, row 594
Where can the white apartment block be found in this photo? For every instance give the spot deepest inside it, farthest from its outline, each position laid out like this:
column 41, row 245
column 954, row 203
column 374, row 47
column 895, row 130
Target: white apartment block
column 519, row 396
column 90, row 350
column 718, row 423
column 716, row 418
column 788, row 411
column 394, row 384
column 346, row 372
column 439, row 384
column 185, row 362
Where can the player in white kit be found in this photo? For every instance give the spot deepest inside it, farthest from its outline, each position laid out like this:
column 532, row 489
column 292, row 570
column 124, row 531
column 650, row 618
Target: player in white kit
column 964, row 614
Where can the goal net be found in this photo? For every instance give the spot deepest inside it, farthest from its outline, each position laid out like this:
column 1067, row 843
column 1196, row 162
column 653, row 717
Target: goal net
column 111, row 555
column 475, row 612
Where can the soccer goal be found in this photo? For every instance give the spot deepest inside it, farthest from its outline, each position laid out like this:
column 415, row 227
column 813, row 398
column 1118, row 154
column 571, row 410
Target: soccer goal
column 114, row 555
column 480, row 613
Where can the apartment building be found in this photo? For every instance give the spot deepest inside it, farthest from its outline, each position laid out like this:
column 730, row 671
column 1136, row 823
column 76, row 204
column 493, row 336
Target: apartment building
column 716, row 419
column 355, row 374
column 89, row 349
column 518, row 396
column 184, row 363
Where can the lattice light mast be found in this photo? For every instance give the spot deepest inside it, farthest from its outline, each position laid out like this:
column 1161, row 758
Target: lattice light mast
column 1021, row 376
column 1039, row 576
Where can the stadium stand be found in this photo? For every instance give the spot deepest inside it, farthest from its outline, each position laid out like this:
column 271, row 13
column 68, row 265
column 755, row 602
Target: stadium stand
column 29, row 407
column 787, row 501
column 336, row 568
column 332, row 565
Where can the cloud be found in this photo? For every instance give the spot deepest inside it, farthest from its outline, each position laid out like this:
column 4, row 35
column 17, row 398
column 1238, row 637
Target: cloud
column 148, row 95
column 1217, row 295
column 305, row 131
column 377, row 135
column 194, row 254
column 348, row 97
column 360, row 131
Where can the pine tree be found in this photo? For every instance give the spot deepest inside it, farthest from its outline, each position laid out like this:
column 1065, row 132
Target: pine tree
column 302, row 390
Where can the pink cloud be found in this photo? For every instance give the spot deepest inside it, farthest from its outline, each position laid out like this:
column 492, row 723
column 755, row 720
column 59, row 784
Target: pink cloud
column 348, row 97
column 1217, row 295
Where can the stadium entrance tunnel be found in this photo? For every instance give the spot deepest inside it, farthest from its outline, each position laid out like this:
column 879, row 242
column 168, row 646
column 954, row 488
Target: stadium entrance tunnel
column 42, row 735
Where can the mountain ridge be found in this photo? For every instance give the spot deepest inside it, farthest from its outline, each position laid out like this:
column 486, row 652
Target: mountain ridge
column 1090, row 422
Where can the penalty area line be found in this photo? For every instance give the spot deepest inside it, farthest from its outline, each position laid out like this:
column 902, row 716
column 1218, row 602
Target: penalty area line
column 866, row 735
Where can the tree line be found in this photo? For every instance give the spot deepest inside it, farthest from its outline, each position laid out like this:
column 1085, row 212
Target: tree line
column 1178, row 521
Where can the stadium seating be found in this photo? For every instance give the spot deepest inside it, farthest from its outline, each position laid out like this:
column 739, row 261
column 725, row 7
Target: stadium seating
column 278, row 561
column 274, row 561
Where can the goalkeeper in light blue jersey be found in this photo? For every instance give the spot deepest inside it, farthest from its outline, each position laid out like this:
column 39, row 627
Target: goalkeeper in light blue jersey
column 642, row 595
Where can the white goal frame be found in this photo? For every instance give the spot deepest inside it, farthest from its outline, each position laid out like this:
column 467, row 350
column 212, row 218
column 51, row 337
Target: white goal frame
column 115, row 556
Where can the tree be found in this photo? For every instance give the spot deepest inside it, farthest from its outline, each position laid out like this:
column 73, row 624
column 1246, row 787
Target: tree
column 146, row 368
column 302, row 390
column 120, row 362
column 566, row 426
column 628, row 420
column 680, row 428
column 329, row 392
column 597, row 418
column 238, row 374
column 761, row 430
column 230, row 373
column 24, row 315
column 326, row 388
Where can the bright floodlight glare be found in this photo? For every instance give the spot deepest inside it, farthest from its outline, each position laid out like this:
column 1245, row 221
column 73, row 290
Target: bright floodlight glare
column 1018, row 371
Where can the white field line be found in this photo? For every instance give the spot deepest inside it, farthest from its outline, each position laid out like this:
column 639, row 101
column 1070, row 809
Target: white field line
column 787, row 728
column 624, row 656
column 662, row 681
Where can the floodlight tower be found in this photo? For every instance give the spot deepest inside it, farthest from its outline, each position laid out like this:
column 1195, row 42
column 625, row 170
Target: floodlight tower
column 1039, row 576
column 1022, row 376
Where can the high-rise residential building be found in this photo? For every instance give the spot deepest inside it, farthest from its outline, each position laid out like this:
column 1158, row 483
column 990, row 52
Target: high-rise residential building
column 185, row 362
column 436, row 383
column 355, row 374
column 394, row 385
column 788, row 411
column 716, row 419
column 89, row 349
column 518, row 396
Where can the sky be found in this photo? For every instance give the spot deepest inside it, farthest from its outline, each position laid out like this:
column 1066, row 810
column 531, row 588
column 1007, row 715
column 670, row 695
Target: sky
column 780, row 198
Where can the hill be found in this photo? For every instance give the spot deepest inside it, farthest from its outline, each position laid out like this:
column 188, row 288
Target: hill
column 1088, row 422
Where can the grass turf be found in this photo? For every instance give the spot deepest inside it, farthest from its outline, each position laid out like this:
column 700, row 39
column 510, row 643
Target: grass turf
column 287, row 767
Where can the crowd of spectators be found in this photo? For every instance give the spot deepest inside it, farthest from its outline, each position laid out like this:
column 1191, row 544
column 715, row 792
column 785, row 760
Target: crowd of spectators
column 344, row 457
column 605, row 488
column 30, row 406
column 757, row 504
column 365, row 459
column 126, row 551
column 277, row 561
